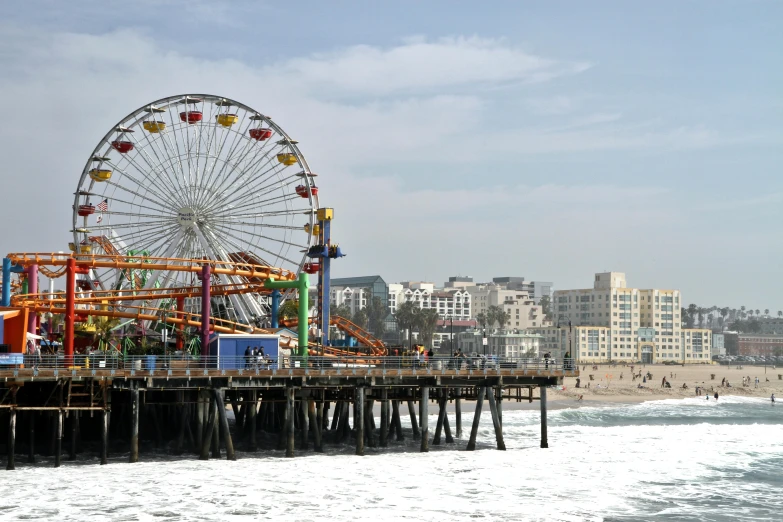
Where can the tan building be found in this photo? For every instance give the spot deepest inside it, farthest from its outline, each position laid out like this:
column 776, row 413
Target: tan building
column 522, row 309
column 587, row 344
column 623, row 311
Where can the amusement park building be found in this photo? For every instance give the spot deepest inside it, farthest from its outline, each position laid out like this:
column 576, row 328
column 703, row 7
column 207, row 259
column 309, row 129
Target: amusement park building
column 504, row 343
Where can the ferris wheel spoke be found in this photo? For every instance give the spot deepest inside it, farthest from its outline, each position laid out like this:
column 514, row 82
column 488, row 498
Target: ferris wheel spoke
column 292, row 196
column 254, row 190
column 260, row 236
column 246, row 186
column 212, row 180
column 160, row 199
column 111, row 199
column 156, row 216
column 142, row 153
column 170, row 174
column 228, row 233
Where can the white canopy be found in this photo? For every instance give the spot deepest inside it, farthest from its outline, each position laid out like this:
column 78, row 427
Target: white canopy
column 33, row 337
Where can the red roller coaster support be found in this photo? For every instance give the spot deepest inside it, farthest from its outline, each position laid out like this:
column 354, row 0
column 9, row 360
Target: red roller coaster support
column 70, row 296
column 180, row 328
column 206, row 275
column 32, row 288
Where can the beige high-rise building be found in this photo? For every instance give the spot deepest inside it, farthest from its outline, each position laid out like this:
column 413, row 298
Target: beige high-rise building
column 623, row 311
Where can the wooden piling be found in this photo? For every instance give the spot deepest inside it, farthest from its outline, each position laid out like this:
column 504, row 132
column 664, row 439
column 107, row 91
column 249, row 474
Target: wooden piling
column 496, row 419
column 425, row 402
column 447, row 429
column 289, row 421
column 414, row 422
column 134, row 438
column 305, row 421
column 439, row 424
column 458, row 414
column 396, row 420
column 200, row 414
column 208, row 428
column 104, row 437
column 544, row 441
column 384, row 439
column 251, row 417
column 369, row 423
column 358, row 420
column 74, row 433
column 315, row 426
column 476, row 418
column 183, row 422
column 11, row 441
column 224, row 429
column 215, row 416
column 58, row 447
column 31, row 437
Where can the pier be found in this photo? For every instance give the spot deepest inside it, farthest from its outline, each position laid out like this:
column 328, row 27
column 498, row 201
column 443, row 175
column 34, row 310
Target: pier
column 180, row 406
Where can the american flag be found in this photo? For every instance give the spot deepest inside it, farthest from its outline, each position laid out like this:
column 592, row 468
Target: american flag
column 103, row 206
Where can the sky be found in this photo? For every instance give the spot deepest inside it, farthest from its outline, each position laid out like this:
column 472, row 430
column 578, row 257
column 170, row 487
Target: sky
column 548, row 140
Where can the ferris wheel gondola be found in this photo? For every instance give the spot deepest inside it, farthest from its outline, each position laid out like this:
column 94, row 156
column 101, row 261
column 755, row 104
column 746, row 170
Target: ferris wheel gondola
column 195, row 177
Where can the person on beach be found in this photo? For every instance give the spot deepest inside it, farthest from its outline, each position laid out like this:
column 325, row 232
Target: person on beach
column 716, row 396
column 757, row 382
column 773, row 398
column 663, row 382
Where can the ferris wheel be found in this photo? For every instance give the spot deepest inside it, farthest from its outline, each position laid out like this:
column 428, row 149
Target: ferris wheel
column 195, row 177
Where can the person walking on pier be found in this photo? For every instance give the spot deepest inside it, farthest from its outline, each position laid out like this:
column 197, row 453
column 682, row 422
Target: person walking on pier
column 248, row 357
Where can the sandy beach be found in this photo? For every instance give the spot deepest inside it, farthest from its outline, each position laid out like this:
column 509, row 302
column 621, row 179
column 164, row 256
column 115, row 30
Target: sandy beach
column 615, row 383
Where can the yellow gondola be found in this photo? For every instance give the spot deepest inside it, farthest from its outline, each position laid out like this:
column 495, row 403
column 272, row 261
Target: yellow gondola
column 227, row 120
column 316, row 229
column 286, row 158
column 100, row 174
column 154, row 126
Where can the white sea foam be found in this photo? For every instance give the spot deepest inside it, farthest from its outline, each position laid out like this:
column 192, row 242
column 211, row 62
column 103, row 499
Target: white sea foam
column 612, row 468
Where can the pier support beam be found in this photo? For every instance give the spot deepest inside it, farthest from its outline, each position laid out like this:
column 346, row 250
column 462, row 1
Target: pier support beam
column 447, row 428
column 493, row 408
column 544, row 441
column 290, row 394
column 305, row 424
column 31, row 437
column 209, row 426
column 396, row 420
column 384, row 419
column 441, row 419
column 251, row 417
column 358, row 420
column 58, row 446
column 74, row 433
column 226, row 433
column 134, row 438
column 200, row 414
column 476, row 418
column 104, row 437
column 458, row 413
column 425, row 402
column 11, row 441
column 315, row 426
column 414, row 422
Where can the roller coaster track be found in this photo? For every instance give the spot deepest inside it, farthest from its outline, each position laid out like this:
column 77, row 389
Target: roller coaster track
column 376, row 346
column 103, row 303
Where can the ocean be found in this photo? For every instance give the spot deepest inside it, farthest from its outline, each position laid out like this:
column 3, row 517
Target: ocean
column 672, row 460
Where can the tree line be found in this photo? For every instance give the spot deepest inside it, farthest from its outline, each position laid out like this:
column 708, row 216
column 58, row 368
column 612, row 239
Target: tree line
column 741, row 319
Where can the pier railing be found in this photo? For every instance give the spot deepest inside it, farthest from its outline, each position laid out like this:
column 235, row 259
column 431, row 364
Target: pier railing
column 243, row 365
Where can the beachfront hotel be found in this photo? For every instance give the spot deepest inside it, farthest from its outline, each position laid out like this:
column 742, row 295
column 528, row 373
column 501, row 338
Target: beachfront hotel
column 611, row 322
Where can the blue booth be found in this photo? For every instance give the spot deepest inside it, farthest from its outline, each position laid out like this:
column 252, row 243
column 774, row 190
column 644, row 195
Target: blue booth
column 227, row 351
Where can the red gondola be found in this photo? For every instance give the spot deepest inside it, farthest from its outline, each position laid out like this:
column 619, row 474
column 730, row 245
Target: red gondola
column 314, row 190
column 191, row 116
column 86, row 210
column 303, row 192
column 260, row 134
column 312, row 268
column 122, row 146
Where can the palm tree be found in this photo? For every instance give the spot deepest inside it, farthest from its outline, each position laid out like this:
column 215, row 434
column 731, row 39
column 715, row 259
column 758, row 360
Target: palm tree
column 723, row 313
column 758, row 312
column 692, row 311
column 426, row 322
column 780, row 313
column 482, row 319
column 406, row 316
column 742, row 312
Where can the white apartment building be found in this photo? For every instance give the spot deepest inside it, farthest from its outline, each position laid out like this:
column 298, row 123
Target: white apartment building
column 623, row 311
column 354, row 298
column 522, row 309
column 452, row 303
column 504, row 343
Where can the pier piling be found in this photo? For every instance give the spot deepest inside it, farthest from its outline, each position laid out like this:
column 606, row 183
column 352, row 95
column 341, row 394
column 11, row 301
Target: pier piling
column 358, row 420
column 252, row 413
column 544, row 441
column 58, row 446
column 458, row 413
column 414, row 422
column 425, row 402
column 384, row 439
column 105, row 437
column 496, row 419
column 225, row 432
column 11, row 441
column 476, row 418
column 134, row 438
column 31, row 437
column 289, row 421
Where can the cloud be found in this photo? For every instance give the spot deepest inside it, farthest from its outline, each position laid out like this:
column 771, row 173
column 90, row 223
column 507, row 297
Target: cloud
column 420, row 64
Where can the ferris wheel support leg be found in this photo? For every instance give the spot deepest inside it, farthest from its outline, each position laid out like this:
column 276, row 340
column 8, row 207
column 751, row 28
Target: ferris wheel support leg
column 275, row 307
column 324, row 277
column 6, row 299
column 70, row 298
column 206, row 275
column 32, row 288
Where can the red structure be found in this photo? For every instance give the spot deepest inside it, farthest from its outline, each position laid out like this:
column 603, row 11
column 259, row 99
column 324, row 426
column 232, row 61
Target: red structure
column 191, row 116
column 312, row 268
column 122, row 146
column 303, row 191
column 260, row 134
column 759, row 344
column 70, row 301
column 86, row 210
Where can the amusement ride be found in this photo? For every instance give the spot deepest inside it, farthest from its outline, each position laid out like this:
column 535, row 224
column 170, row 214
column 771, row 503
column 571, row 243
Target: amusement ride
column 194, row 212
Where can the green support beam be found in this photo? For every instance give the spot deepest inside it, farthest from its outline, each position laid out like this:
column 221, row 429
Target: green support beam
column 303, row 286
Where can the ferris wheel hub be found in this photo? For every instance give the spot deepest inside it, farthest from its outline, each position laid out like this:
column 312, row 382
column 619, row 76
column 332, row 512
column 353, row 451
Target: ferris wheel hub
column 186, row 216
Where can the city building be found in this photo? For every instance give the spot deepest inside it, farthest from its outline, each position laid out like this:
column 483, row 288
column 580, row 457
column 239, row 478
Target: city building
column 611, row 304
column 696, row 346
column 450, row 303
column 718, row 344
column 504, row 343
column 522, row 309
column 354, row 292
column 535, row 289
column 586, row 344
column 760, row 344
